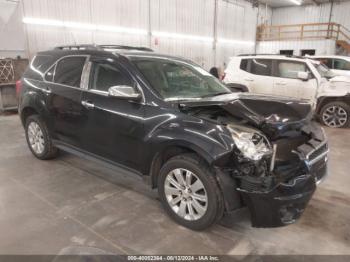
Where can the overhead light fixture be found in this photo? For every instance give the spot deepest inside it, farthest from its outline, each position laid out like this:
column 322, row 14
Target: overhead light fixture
column 127, row 30
column 297, row 2
column 182, row 36
column 85, row 26
column 235, row 42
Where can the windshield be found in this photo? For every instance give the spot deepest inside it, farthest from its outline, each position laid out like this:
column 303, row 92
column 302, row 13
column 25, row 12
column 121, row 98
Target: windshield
column 324, row 71
column 174, row 80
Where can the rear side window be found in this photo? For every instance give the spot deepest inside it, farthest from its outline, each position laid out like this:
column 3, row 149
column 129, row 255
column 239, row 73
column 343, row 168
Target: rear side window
column 287, row 69
column 261, row 67
column 40, row 63
column 106, row 76
column 244, row 65
column 68, row 71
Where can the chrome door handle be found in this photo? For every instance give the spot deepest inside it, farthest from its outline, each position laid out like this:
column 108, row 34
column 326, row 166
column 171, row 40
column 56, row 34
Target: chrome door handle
column 88, row 104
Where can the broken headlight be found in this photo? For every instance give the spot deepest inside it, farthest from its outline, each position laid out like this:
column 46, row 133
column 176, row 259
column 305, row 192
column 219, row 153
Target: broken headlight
column 252, row 145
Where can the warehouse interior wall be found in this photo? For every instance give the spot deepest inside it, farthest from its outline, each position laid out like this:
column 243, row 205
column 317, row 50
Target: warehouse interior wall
column 307, row 14
column 208, row 32
column 12, row 37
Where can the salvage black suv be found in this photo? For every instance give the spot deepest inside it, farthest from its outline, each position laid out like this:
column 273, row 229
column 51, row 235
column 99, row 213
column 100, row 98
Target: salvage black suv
column 208, row 151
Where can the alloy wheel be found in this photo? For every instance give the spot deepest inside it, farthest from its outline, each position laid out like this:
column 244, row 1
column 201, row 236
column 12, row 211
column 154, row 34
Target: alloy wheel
column 186, row 194
column 335, row 116
column 36, row 138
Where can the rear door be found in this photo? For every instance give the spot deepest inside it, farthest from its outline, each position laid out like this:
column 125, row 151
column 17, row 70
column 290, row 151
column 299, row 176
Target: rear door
column 287, row 82
column 64, row 82
column 259, row 77
column 115, row 126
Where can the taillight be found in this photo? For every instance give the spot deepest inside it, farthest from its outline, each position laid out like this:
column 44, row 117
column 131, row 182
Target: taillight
column 18, row 87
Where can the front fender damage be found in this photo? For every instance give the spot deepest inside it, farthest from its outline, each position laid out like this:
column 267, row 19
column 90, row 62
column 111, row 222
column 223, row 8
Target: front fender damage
column 278, row 197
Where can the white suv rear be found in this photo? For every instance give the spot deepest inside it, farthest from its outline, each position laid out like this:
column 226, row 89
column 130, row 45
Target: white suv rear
column 293, row 77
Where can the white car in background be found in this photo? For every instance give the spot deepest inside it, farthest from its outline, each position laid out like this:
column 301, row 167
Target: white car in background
column 295, row 77
column 339, row 65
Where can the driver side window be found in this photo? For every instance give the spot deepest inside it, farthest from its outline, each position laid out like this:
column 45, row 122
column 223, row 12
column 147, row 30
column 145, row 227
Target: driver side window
column 106, row 75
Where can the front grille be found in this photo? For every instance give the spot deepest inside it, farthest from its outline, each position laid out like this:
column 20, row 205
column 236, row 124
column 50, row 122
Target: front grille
column 318, row 151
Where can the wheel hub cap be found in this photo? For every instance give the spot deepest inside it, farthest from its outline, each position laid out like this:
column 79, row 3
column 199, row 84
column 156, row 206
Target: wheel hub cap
column 186, row 194
column 36, row 138
column 335, row 116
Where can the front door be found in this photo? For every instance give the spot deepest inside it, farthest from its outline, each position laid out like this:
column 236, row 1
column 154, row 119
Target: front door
column 115, row 126
column 288, row 84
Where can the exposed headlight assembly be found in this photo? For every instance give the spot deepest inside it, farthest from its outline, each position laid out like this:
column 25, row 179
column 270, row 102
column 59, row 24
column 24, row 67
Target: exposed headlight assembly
column 253, row 145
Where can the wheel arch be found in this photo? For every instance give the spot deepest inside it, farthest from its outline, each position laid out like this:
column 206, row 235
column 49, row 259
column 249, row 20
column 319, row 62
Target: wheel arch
column 322, row 101
column 169, row 151
column 26, row 112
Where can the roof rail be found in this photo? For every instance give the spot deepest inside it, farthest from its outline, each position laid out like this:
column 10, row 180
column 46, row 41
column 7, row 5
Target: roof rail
column 255, row 54
column 124, row 47
column 291, row 56
column 76, row 47
column 102, row 47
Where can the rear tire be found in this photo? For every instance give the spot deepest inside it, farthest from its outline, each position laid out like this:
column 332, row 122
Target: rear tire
column 335, row 114
column 198, row 203
column 38, row 138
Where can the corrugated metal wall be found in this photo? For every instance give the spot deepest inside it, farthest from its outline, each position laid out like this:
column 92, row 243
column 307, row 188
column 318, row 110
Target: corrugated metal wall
column 312, row 14
column 12, row 38
column 307, row 14
column 322, row 47
column 236, row 19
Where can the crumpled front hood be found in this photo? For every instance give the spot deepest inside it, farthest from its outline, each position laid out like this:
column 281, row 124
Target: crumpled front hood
column 269, row 113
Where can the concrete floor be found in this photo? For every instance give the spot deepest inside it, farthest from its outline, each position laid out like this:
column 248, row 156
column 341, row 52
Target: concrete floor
column 69, row 204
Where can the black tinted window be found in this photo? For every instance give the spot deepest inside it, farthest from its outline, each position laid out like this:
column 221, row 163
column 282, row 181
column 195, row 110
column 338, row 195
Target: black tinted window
column 69, row 70
column 41, row 63
column 261, row 67
column 106, row 76
column 244, row 64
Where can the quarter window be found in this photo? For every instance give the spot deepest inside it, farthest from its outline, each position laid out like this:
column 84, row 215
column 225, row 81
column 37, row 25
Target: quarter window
column 290, row 69
column 261, row 67
column 69, row 70
column 106, row 76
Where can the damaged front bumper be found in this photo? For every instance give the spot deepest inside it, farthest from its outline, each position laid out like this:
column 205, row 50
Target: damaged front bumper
column 280, row 199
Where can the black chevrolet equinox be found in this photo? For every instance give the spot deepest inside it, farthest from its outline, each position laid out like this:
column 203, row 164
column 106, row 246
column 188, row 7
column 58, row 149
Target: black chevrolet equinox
column 207, row 150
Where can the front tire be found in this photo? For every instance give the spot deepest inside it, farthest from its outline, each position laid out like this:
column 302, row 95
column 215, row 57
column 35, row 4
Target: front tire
column 189, row 192
column 335, row 115
column 38, row 138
